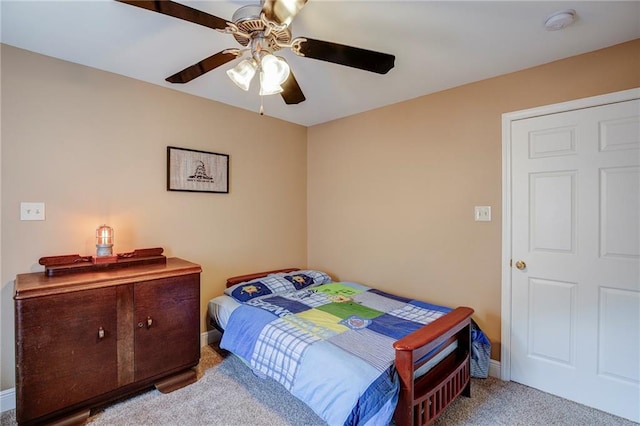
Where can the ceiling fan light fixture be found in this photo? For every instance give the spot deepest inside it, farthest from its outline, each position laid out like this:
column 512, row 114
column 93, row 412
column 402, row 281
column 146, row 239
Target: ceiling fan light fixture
column 267, row 86
column 275, row 70
column 243, row 73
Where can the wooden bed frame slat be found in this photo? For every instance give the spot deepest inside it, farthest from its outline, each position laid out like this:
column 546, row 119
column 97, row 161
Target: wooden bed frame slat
column 242, row 278
column 423, row 399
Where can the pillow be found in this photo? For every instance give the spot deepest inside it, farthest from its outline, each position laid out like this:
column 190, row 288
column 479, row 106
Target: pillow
column 277, row 283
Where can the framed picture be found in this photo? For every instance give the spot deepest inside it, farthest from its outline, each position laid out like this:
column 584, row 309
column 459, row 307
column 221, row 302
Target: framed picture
column 197, row 171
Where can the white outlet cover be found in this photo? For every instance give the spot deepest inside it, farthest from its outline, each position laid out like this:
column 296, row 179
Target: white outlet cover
column 483, row 213
column 31, row 211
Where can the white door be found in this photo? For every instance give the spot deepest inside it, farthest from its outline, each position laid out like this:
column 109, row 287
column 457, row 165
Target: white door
column 575, row 318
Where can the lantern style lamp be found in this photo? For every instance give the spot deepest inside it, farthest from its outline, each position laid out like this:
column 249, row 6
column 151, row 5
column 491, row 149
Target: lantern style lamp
column 104, row 241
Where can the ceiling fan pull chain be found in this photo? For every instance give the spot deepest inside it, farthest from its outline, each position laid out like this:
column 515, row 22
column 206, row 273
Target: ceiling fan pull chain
column 261, row 105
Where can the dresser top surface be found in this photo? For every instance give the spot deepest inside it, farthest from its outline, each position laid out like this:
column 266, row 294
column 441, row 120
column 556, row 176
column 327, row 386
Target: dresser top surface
column 38, row 283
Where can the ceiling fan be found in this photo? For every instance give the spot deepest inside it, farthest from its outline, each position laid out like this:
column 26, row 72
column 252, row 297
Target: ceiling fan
column 262, row 30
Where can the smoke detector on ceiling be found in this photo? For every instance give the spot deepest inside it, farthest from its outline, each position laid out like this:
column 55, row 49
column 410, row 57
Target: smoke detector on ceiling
column 559, row 20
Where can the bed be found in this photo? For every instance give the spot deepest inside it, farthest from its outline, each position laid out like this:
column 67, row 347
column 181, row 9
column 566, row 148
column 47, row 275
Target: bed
column 353, row 354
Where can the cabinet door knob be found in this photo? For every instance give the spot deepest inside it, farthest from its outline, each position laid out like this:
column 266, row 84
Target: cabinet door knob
column 100, row 333
column 149, row 322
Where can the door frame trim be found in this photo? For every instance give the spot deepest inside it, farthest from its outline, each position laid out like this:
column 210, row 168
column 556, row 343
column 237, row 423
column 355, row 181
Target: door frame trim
column 507, row 119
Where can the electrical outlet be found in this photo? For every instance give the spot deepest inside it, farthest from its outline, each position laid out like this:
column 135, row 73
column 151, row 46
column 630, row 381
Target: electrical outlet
column 31, row 211
column 483, row 213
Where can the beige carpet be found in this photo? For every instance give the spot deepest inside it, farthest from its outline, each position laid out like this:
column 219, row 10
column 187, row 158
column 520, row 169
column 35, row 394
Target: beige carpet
column 228, row 394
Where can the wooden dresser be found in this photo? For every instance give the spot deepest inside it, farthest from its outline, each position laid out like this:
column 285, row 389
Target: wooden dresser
column 84, row 339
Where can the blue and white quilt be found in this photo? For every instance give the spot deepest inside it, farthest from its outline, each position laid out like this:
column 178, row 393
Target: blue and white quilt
column 330, row 345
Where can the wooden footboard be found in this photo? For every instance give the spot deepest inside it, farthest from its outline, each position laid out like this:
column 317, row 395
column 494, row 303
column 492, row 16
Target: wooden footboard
column 424, row 398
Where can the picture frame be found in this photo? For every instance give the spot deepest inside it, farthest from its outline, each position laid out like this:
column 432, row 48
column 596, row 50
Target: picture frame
column 192, row 170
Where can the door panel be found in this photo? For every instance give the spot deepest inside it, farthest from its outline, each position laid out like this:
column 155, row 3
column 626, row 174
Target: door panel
column 552, row 199
column 552, row 303
column 619, row 222
column 552, row 142
column 620, row 134
column 617, row 326
column 59, row 342
column 172, row 338
column 576, row 224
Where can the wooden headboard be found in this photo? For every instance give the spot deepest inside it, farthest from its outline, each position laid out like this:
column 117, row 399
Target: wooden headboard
column 242, row 278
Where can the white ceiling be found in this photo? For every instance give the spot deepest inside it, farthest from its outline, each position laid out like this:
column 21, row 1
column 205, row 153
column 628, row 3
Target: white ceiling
column 437, row 44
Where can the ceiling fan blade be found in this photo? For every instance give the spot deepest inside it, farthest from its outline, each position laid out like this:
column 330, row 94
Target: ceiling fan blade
column 202, row 67
column 282, row 11
column 291, row 92
column 355, row 57
column 180, row 11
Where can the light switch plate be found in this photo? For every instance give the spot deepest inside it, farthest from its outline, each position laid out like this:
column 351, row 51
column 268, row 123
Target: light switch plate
column 31, row 211
column 483, row 213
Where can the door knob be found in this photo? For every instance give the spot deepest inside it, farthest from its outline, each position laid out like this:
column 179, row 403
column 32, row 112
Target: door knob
column 521, row 265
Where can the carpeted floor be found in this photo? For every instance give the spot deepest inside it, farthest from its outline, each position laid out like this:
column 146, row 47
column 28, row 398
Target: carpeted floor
column 228, row 394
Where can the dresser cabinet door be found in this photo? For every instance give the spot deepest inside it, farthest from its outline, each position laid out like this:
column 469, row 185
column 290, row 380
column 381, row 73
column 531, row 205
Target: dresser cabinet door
column 66, row 350
column 167, row 329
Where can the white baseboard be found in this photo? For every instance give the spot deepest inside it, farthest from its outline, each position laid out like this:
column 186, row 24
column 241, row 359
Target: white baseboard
column 209, row 337
column 7, row 400
column 494, row 368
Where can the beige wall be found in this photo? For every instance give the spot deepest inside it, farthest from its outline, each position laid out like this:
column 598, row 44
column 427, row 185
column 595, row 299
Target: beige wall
column 392, row 191
column 92, row 146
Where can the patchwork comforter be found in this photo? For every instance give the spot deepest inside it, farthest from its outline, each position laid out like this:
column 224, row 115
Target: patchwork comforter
column 330, row 345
